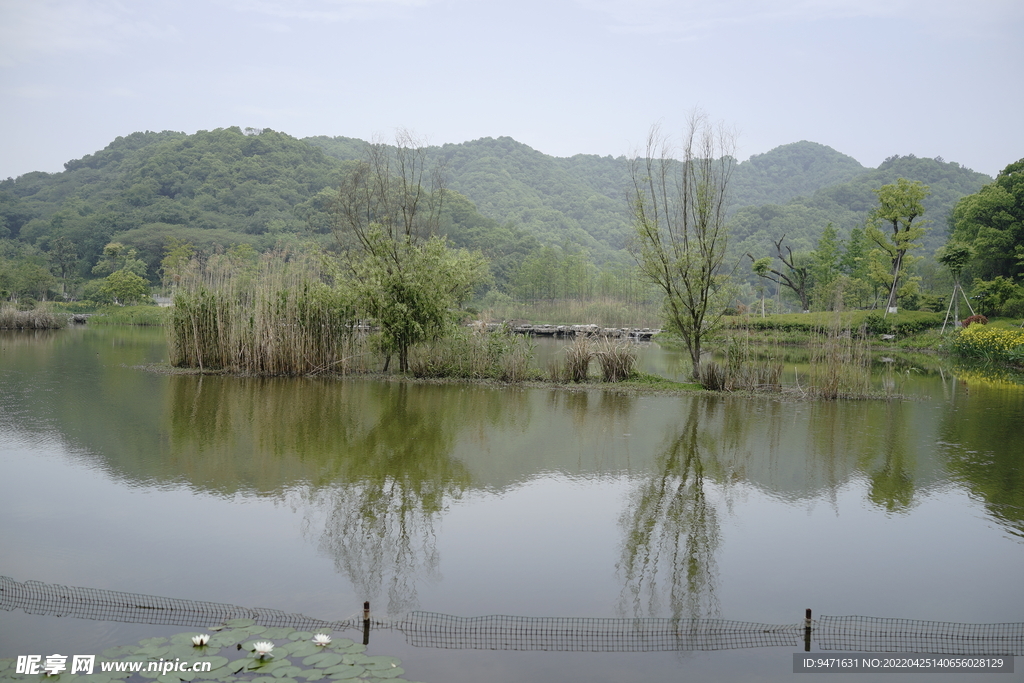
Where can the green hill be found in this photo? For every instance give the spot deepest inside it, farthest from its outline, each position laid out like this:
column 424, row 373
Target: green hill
column 264, row 188
column 846, row 205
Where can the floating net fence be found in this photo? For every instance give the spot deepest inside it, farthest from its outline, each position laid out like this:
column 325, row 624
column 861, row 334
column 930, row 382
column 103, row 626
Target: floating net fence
column 568, row 634
column 875, row 634
column 35, row 597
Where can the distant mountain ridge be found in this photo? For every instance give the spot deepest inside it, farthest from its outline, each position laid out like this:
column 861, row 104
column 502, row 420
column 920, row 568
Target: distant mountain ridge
column 260, row 187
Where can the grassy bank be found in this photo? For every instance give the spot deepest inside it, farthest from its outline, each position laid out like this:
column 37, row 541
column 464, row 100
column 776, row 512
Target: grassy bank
column 130, row 315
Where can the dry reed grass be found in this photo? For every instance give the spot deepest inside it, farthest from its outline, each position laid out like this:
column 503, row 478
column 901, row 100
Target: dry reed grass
column 577, row 359
column 277, row 316
column 40, row 318
column 616, row 358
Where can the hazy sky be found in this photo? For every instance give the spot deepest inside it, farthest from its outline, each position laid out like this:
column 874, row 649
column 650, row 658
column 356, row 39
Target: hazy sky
column 870, row 78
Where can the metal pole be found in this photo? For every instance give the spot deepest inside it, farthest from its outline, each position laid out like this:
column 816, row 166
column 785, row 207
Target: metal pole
column 366, row 623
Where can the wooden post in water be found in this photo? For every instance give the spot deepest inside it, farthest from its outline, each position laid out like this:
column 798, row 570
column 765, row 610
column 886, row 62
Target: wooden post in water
column 807, row 630
column 366, row 623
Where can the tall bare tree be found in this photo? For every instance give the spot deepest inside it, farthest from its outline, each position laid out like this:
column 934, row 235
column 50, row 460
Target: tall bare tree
column 678, row 203
column 391, row 188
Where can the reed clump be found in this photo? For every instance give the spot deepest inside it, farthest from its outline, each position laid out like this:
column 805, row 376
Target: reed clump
column 577, row 359
column 840, row 363
column 279, row 315
column 616, row 358
column 39, row 318
column 475, row 354
column 740, row 372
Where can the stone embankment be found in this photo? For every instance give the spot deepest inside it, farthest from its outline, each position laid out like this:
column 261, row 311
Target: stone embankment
column 636, row 333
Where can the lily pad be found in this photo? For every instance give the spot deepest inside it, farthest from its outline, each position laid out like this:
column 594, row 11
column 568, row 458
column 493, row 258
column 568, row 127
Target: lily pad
column 119, row 651
column 289, row 671
column 239, row 623
column 301, row 649
column 322, row 660
column 341, row 643
column 344, row 671
column 300, row 635
column 380, row 662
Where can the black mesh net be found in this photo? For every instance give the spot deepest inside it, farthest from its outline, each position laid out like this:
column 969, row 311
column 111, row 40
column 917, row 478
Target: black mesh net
column 874, row 634
column 428, row 629
column 570, row 634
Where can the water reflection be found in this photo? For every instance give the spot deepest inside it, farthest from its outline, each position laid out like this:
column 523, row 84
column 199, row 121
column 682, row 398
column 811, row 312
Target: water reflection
column 380, row 523
column 671, row 529
column 892, row 481
column 980, row 435
column 370, row 467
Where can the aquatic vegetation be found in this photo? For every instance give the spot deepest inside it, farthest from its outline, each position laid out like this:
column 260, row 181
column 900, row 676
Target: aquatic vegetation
column 474, row 354
column 228, row 657
column 40, row 318
column 279, row 317
column 617, row 359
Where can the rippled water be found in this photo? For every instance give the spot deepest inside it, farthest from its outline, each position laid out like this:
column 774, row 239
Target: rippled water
column 313, row 495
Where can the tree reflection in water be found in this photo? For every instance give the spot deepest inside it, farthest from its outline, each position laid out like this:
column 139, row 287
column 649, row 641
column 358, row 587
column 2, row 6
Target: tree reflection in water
column 671, row 528
column 381, row 514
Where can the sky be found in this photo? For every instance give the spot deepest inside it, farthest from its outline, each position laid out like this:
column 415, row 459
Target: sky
column 869, row 78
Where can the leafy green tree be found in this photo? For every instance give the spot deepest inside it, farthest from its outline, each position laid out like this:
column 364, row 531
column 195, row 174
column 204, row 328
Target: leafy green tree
column 992, row 221
column 32, row 280
column 411, row 290
column 899, row 206
column 681, row 231
column 406, row 277
column 126, row 288
column 64, row 261
column 825, row 269
column 993, row 294
column 178, row 254
column 117, row 256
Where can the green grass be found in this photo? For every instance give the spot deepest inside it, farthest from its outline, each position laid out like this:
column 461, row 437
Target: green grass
column 130, row 315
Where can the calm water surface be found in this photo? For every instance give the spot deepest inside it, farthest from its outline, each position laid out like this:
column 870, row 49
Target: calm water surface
column 313, row 495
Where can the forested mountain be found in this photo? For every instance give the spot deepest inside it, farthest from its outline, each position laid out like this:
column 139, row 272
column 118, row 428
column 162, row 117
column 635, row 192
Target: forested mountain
column 846, row 205
column 224, row 187
column 214, row 187
column 584, row 199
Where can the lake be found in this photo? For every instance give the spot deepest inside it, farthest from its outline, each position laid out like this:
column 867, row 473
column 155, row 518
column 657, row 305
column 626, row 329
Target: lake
column 311, row 495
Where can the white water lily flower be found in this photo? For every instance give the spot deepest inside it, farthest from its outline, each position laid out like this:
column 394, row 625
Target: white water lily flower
column 263, row 648
column 200, row 640
column 321, row 639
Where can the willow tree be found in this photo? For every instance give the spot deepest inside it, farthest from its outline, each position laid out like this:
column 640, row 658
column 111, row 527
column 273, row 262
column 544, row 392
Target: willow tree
column 678, row 202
